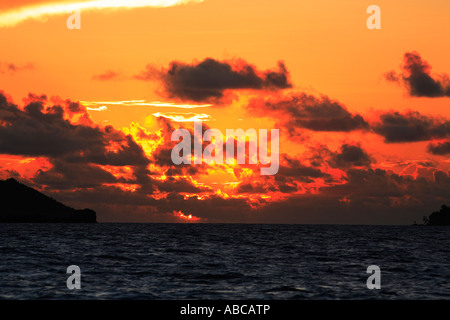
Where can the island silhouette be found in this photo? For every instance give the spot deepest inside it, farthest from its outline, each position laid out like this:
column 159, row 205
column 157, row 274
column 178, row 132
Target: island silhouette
column 438, row 218
column 22, row 204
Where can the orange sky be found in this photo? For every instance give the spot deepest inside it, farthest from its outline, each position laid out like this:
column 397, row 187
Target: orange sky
column 327, row 51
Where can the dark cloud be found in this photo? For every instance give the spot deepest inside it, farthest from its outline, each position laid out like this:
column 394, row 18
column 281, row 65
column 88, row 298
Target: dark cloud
column 440, row 149
column 376, row 185
column 207, row 80
column 65, row 175
column 321, row 186
column 11, row 68
column 392, row 76
column 293, row 168
column 292, row 174
column 111, row 204
column 367, row 196
column 308, row 112
column 75, row 107
column 162, row 156
column 411, row 127
column 351, row 155
column 33, row 132
column 42, row 131
column 128, row 152
column 373, row 196
column 107, row 75
column 179, row 185
column 259, row 187
column 416, row 75
column 79, row 154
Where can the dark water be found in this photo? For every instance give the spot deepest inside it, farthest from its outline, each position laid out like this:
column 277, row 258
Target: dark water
column 220, row 261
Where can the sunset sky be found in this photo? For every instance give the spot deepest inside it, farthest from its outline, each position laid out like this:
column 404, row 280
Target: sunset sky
column 86, row 116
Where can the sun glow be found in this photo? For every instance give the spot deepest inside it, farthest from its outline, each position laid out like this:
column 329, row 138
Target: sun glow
column 13, row 17
column 186, row 218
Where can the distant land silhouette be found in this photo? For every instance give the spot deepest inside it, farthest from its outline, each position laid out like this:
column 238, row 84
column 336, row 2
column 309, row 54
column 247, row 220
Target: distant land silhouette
column 22, row 204
column 439, row 218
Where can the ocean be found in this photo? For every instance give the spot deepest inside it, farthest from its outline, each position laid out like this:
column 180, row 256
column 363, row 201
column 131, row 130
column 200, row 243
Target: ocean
column 223, row 261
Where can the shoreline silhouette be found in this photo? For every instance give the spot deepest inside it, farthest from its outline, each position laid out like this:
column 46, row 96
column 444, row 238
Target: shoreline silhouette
column 22, row 204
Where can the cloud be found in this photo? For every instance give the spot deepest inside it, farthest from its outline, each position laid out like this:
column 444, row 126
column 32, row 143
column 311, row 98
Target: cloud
column 378, row 183
column 69, row 175
column 184, row 116
column 295, row 176
column 351, row 155
column 112, row 174
column 209, row 79
column 101, row 108
column 416, row 76
column 372, row 196
column 161, row 156
column 411, row 127
column 83, row 155
column 366, row 196
column 12, row 68
column 295, row 169
column 141, row 103
column 107, row 75
column 440, row 149
column 38, row 11
column 34, row 131
column 308, row 112
column 179, row 185
column 37, row 130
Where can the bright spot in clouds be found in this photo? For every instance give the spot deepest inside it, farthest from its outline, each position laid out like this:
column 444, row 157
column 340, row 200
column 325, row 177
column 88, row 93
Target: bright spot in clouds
column 13, row 17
